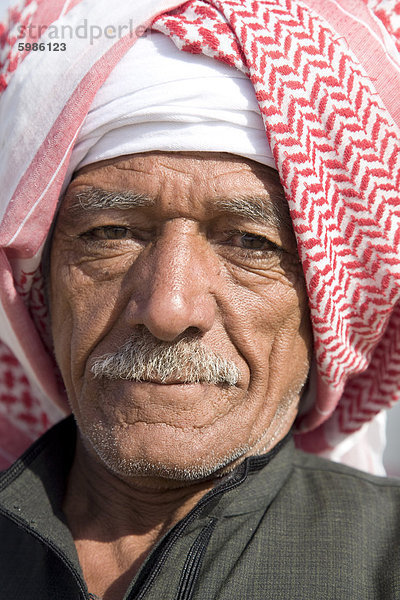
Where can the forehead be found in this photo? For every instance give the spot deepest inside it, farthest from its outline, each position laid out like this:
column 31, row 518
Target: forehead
column 205, row 167
column 211, row 163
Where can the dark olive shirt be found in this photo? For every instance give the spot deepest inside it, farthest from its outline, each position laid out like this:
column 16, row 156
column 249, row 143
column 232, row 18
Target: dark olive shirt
column 282, row 526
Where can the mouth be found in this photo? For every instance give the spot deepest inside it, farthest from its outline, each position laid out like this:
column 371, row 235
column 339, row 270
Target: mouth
column 174, row 382
column 170, row 382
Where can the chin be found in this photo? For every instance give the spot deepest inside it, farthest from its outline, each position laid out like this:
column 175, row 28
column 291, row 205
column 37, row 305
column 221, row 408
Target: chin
column 133, row 468
column 165, row 460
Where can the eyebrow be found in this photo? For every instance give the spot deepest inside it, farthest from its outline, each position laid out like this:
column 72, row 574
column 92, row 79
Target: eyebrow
column 271, row 212
column 256, row 208
column 98, row 199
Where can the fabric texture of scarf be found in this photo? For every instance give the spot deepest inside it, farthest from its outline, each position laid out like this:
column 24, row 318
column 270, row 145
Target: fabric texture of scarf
column 326, row 75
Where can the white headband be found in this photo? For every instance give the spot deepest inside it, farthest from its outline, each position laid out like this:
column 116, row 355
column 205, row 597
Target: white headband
column 160, row 98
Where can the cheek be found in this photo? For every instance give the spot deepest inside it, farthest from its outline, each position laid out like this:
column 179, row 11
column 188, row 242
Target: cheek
column 269, row 325
column 257, row 312
column 82, row 311
column 288, row 361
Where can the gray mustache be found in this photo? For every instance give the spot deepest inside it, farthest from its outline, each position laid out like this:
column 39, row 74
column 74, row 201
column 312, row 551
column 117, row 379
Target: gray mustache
column 145, row 358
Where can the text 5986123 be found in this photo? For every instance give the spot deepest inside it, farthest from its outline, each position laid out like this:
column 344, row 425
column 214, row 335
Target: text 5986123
column 42, row 46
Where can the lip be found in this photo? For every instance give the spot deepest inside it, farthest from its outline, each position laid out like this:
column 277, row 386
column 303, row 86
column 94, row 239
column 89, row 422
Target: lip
column 166, row 383
column 174, row 383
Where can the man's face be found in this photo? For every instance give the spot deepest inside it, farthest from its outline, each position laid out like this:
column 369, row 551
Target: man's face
column 189, row 255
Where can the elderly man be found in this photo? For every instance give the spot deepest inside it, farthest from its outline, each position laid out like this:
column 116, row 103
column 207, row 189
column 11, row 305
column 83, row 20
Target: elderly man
column 157, row 260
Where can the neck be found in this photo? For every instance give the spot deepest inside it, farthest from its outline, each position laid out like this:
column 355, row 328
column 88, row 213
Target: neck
column 139, row 504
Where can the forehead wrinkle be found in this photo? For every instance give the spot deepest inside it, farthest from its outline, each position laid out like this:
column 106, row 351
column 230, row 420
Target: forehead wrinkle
column 98, row 199
column 258, row 209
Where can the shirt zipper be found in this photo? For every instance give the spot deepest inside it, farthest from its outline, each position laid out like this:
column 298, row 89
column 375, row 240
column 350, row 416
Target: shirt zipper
column 160, row 554
column 192, row 566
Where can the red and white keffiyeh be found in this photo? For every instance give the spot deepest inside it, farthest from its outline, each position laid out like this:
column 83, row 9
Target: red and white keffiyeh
column 327, row 77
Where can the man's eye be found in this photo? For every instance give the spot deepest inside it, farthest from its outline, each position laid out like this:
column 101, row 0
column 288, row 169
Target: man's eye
column 109, row 232
column 253, row 242
column 250, row 241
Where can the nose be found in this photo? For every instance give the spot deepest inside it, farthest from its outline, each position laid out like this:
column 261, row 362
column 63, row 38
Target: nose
column 173, row 286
